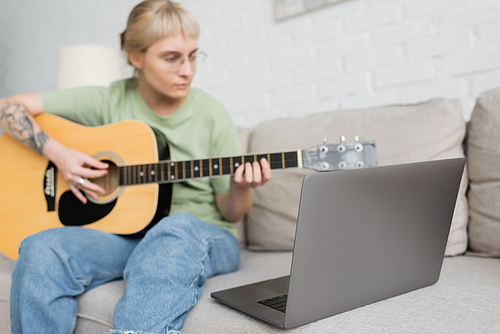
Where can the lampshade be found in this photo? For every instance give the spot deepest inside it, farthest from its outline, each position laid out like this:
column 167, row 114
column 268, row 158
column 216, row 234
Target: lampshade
column 87, row 65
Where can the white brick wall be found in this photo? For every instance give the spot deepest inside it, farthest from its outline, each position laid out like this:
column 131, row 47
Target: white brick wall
column 353, row 54
column 357, row 53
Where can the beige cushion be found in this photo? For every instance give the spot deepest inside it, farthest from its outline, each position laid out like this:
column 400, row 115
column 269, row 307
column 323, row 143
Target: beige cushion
column 403, row 134
column 483, row 156
column 466, row 299
column 6, row 267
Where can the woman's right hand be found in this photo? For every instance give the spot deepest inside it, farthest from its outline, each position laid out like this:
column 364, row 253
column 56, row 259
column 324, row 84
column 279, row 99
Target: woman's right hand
column 76, row 166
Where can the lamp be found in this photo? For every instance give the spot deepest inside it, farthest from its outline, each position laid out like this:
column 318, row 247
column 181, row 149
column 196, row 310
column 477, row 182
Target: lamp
column 87, row 65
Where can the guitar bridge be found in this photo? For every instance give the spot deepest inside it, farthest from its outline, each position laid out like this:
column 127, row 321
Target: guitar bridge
column 49, row 186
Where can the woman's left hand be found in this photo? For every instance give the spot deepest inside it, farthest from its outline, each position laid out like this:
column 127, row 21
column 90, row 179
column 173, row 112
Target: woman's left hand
column 235, row 204
column 253, row 175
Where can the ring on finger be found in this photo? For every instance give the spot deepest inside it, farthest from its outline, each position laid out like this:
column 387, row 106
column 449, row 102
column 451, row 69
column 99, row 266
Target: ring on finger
column 81, row 181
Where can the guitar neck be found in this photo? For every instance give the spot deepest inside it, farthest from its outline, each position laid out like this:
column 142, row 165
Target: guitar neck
column 177, row 171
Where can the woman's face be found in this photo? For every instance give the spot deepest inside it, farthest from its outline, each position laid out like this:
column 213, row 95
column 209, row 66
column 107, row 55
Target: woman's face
column 167, row 66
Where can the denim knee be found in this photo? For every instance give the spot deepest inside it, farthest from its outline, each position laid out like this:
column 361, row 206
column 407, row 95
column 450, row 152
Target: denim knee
column 181, row 219
column 35, row 244
column 177, row 224
column 37, row 261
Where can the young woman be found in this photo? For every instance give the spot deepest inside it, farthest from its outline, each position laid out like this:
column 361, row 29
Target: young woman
column 165, row 267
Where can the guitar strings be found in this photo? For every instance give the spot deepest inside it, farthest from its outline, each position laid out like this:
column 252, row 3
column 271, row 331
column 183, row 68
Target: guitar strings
column 148, row 173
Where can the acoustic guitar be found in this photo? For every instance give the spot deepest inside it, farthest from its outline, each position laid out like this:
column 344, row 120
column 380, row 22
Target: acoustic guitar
column 35, row 197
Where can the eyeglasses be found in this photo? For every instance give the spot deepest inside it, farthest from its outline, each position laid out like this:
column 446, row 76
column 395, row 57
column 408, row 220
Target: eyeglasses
column 175, row 60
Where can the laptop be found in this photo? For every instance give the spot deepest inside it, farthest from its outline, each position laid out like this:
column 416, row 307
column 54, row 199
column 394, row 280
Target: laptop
column 362, row 236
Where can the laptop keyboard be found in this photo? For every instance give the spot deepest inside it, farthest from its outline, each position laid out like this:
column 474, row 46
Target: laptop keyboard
column 278, row 303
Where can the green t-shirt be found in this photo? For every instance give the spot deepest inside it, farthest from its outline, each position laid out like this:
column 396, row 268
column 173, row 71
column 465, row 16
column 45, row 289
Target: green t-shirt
column 201, row 128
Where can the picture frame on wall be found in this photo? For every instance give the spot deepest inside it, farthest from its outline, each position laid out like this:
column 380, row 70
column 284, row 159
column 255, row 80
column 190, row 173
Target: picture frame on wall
column 284, row 9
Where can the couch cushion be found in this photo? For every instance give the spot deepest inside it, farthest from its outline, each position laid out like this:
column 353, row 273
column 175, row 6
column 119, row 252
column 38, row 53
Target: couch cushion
column 466, row 299
column 483, row 157
column 403, row 134
column 6, row 267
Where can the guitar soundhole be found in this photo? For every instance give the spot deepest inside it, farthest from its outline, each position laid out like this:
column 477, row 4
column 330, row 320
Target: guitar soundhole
column 108, row 182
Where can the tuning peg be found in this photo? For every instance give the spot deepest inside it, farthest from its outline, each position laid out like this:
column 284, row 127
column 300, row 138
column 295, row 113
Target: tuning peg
column 341, row 147
column 323, row 148
column 358, row 147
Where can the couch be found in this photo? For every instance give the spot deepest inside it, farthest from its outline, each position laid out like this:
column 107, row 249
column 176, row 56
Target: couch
column 466, row 299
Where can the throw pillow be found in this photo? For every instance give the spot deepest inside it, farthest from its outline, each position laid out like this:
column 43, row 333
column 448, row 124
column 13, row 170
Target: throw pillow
column 483, row 157
column 403, row 134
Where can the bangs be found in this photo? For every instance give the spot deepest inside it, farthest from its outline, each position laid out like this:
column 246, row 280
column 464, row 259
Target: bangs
column 175, row 22
column 155, row 20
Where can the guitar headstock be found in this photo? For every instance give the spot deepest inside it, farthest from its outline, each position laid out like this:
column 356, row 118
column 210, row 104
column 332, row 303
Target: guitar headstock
column 341, row 156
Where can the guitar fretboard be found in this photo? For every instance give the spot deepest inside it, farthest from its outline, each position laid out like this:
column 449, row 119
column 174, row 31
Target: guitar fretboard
column 177, row 171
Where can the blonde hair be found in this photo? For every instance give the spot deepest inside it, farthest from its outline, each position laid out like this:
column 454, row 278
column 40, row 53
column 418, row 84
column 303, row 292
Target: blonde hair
column 152, row 20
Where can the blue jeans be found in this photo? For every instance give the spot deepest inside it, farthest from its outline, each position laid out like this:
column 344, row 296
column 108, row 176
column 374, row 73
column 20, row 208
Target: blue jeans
column 164, row 274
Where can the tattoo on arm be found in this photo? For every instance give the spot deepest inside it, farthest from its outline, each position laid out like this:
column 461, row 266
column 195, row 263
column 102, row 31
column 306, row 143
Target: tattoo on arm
column 18, row 123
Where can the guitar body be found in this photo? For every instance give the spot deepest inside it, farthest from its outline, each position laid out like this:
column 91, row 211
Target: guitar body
column 35, row 197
